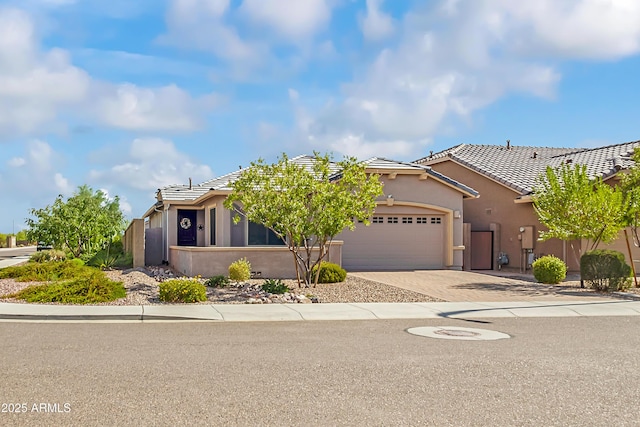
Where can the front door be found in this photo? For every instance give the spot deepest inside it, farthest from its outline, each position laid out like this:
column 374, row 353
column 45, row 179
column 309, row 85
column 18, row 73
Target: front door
column 187, row 228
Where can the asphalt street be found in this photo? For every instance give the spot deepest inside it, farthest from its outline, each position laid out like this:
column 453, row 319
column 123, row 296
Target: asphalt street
column 6, row 253
column 552, row 372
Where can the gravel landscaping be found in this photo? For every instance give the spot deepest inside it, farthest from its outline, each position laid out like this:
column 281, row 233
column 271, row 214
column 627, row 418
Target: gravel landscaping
column 142, row 288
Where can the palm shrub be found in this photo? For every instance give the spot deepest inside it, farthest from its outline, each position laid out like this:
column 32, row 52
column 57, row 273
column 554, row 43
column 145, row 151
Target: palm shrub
column 240, row 270
column 182, row 290
column 275, row 286
column 549, row 269
column 605, row 270
column 329, row 273
column 217, row 281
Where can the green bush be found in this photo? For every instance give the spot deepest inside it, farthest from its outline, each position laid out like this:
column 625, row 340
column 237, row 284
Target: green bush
column 90, row 288
column 329, row 273
column 217, row 281
column 605, row 270
column 45, row 271
column 274, row 286
column 182, row 290
column 549, row 269
column 240, row 270
column 46, row 256
column 114, row 257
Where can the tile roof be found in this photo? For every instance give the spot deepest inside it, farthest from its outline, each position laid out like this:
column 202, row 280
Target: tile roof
column 381, row 163
column 518, row 167
column 223, row 183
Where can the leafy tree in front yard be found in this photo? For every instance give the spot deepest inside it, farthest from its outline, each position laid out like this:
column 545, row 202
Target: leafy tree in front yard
column 574, row 206
column 631, row 188
column 303, row 206
column 82, row 224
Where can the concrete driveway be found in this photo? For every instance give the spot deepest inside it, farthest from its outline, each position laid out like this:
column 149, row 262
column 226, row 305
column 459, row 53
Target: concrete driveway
column 461, row 286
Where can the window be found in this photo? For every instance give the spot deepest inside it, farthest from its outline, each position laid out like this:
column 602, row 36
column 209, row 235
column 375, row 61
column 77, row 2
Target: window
column 436, row 220
column 212, row 226
column 407, row 220
column 261, row 235
column 421, row 220
column 377, row 220
column 392, row 220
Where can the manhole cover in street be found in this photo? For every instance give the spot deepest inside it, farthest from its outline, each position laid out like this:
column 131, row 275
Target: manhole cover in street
column 457, row 333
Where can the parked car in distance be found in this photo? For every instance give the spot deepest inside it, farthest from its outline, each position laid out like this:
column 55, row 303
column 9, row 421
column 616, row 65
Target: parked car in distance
column 42, row 246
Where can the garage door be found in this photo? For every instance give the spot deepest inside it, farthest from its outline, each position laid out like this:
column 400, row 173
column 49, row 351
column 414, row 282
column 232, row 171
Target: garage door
column 395, row 242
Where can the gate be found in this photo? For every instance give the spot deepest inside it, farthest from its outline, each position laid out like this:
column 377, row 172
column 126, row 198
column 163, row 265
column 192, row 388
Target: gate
column 482, row 250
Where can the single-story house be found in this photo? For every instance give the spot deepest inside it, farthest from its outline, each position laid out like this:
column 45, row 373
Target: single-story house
column 503, row 220
column 417, row 224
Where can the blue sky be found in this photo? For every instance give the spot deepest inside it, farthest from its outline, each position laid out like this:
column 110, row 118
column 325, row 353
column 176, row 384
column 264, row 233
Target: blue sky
column 129, row 96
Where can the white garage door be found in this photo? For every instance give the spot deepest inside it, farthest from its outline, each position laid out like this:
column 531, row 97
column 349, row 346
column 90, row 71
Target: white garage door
column 395, row 242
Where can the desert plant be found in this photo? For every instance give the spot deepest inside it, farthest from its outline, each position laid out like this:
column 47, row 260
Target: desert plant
column 182, row 290
column 605, row 270
column 46, row 256
column 240, row 270
column 549, row 269
column 111, row 257
column 329, row 273
column 217, row 281
column 275, row 286
column 46, row 271
column 90, row 288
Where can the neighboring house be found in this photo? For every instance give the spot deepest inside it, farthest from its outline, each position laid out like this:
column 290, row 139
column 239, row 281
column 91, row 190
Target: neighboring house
column 503, row 218
column 417, row 224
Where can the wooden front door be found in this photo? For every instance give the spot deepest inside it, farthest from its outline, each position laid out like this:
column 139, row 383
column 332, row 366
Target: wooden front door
column 187, row 228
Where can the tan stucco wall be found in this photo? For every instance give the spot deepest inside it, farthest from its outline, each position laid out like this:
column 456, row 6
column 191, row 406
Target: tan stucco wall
column 496, row 205
column 133, row 242
column 271, row 262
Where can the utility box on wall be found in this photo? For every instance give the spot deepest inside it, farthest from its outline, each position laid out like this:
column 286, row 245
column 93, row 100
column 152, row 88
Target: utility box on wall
column 526, row 237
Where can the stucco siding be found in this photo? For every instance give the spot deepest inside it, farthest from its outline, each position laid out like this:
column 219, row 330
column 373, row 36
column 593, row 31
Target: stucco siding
column 496, row 206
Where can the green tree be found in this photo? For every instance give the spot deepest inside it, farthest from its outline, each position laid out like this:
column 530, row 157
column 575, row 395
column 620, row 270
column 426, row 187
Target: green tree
column 306, row 207
column 631, row 188
column 82, row 224
column 574, row 206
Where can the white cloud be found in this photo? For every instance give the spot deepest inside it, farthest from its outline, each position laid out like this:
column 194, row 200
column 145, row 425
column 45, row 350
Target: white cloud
column 152, row 163
column 34, row 86
column 375, row 24
column 294, row 20
column 34, row 177
column 16, row 162
column 200, row 25
column 38, row 87
column 457, row 57
column 128, row 106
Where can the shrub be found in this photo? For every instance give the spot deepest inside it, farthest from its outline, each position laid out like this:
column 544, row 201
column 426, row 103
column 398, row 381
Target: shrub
column 45, row 271
column 240, row 270
column 91, row 288
column 182, row 290
column 549, row 269
column 217, row 281
column 114, row 257
column 605, row 270
column 275, row 286
column 329, row 273
column 46, row 256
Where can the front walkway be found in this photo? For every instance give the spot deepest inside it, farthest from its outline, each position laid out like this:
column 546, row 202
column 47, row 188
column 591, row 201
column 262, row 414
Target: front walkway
column 465, row 286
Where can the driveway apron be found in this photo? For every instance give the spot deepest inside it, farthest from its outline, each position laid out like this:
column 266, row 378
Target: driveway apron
column 459, row 286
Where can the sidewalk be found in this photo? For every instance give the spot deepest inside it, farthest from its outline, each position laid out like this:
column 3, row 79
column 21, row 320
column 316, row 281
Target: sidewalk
column 13, row 261
column 308, row 312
